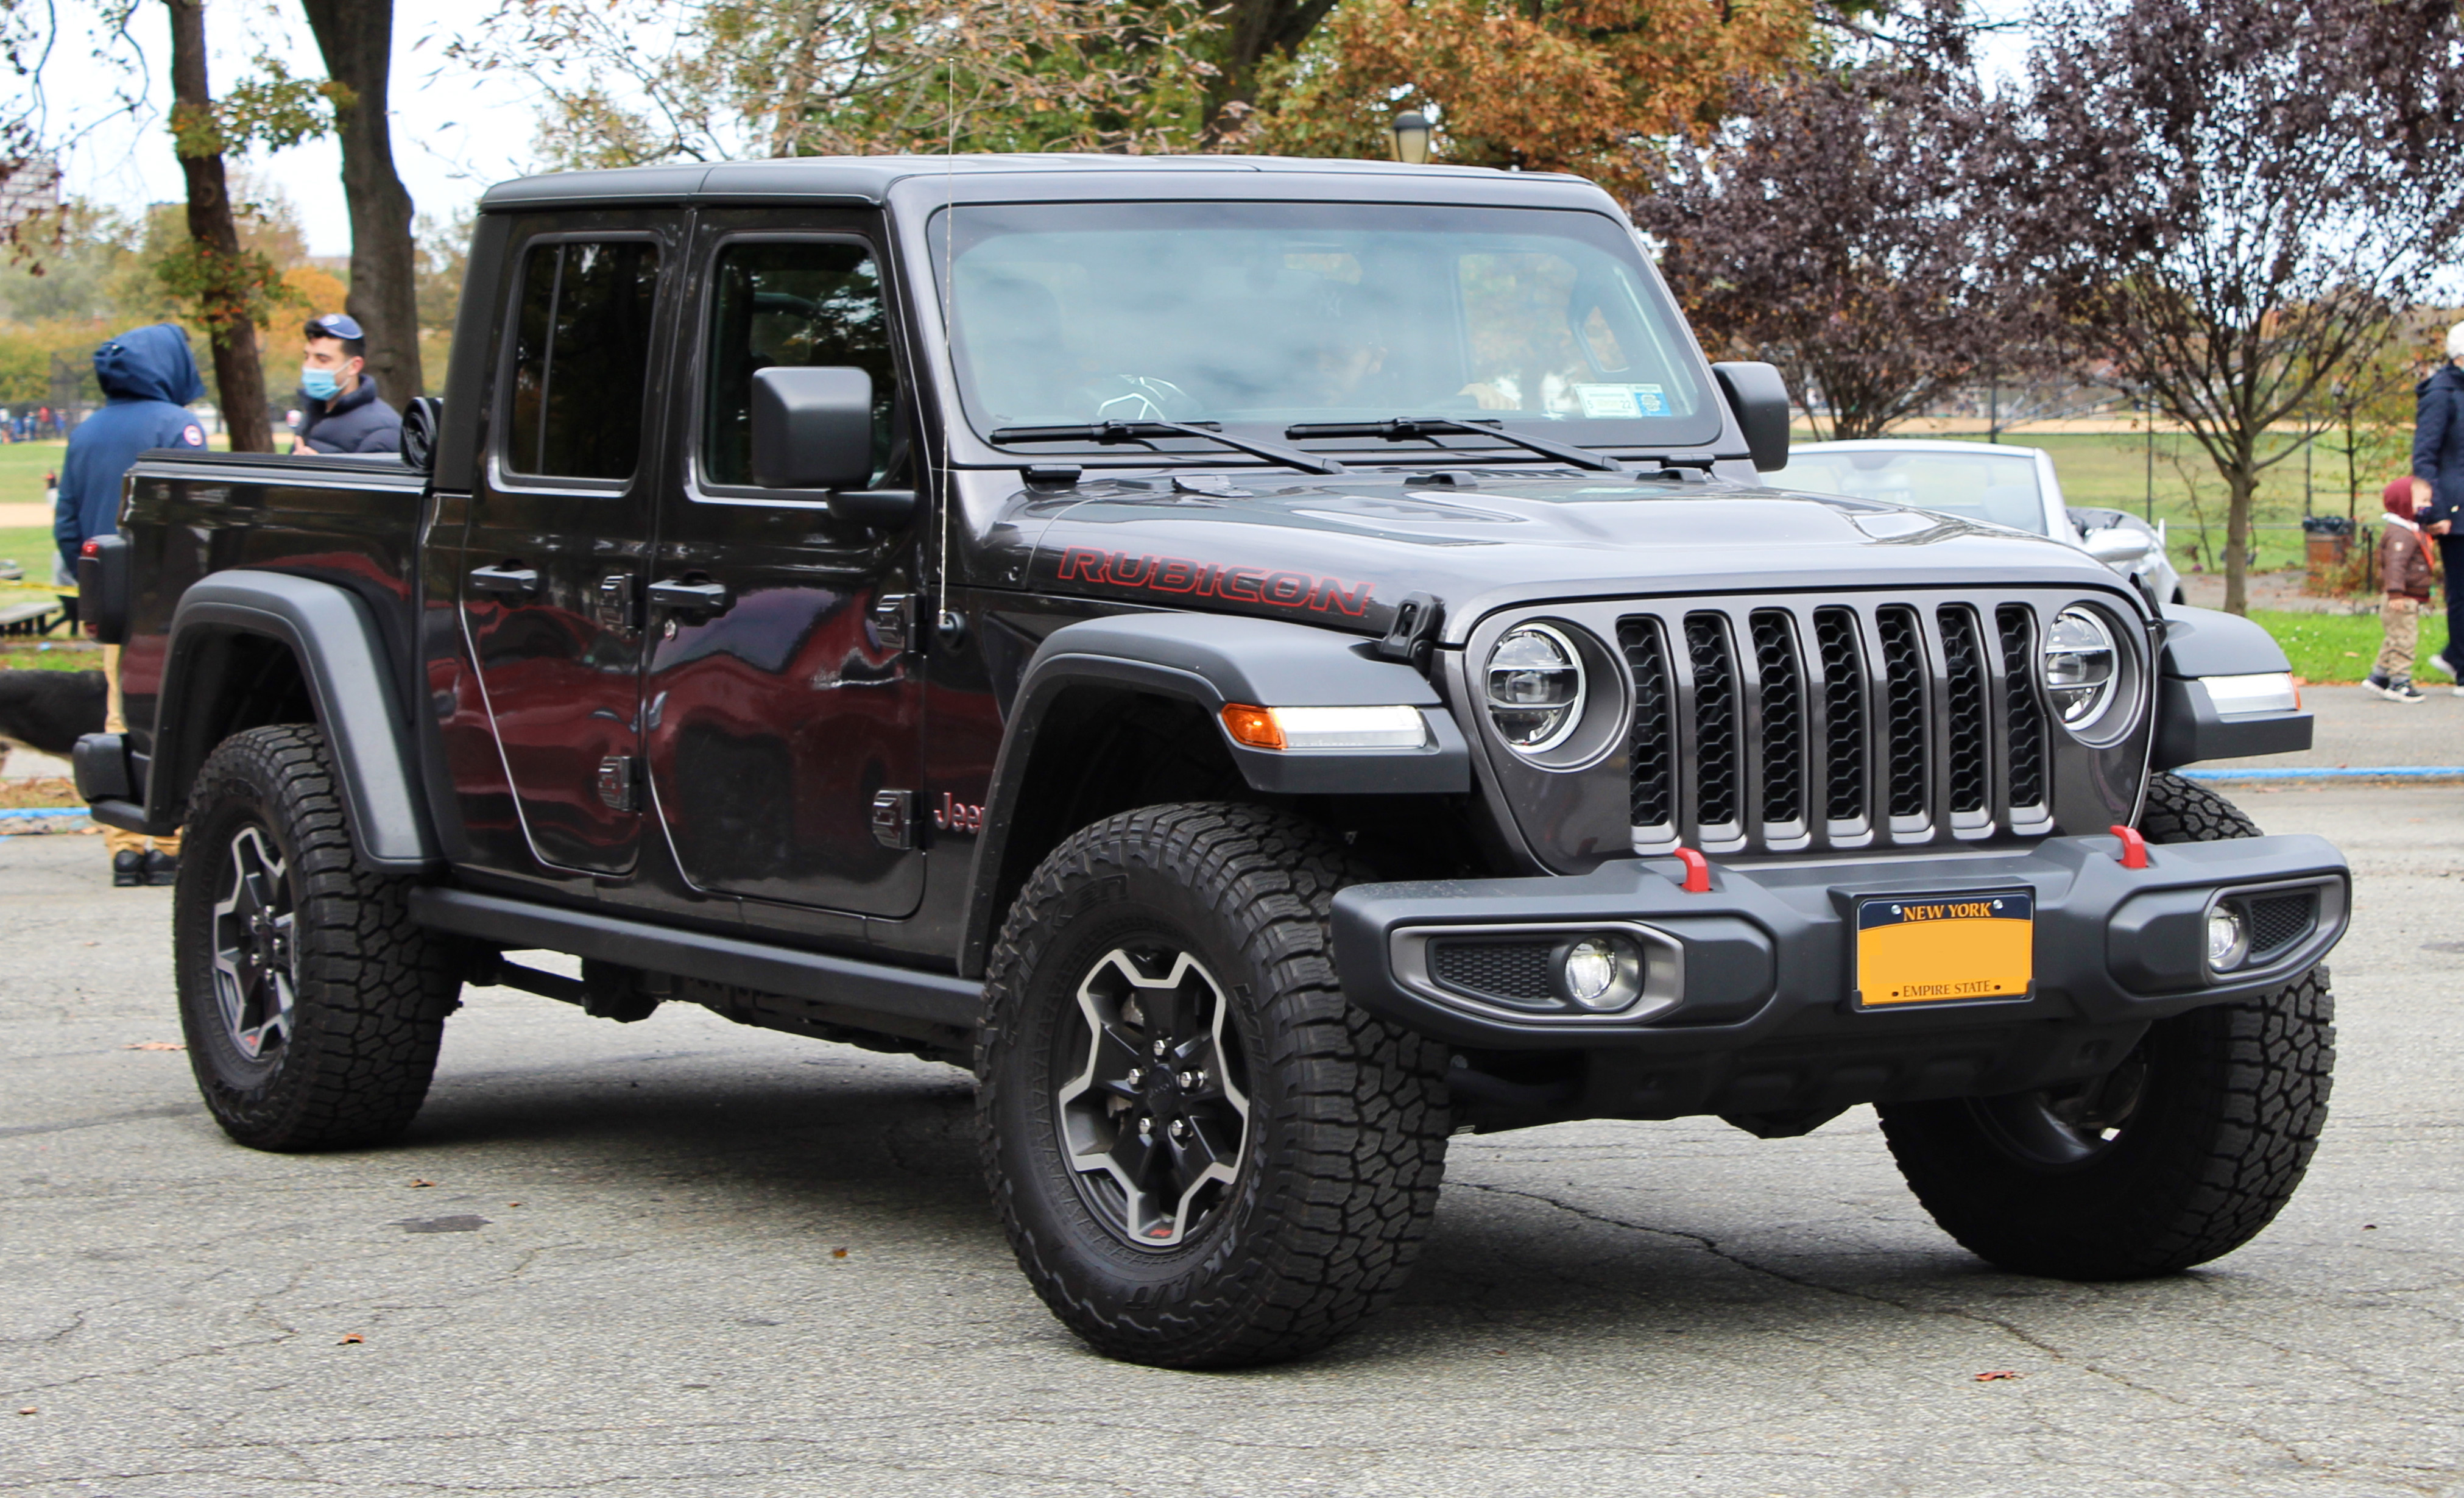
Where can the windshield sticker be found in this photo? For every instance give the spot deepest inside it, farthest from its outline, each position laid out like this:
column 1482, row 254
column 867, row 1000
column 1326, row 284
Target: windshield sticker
column 1611, row 402
column 1177, row 575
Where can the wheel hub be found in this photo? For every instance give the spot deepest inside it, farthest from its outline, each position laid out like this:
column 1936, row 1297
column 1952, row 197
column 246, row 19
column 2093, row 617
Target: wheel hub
column 255, row 981
column 1154, row 1122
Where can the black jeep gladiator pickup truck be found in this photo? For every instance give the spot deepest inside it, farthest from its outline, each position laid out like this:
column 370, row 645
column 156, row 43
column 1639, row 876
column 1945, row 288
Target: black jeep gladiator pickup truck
column 1272, row 663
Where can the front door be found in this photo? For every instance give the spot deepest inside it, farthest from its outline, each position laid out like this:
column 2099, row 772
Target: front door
column 782, row 716
column 558, row 541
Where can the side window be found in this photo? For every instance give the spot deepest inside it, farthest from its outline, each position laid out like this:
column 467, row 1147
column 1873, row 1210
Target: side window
column 581, row 353
column 796, row 305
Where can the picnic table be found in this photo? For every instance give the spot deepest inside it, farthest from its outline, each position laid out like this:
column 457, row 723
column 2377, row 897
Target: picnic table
column 37, row 618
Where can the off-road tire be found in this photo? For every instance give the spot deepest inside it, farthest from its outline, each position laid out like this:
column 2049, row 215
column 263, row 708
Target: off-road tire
column 2227, row 1117
column 1347, row 1115
column 370, row 988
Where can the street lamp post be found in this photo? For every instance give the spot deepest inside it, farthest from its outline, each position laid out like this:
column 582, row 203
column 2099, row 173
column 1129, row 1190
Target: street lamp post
column 1412, row 132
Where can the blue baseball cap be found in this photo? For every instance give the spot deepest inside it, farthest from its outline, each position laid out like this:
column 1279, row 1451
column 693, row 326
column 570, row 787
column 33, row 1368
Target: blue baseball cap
column 335, row 324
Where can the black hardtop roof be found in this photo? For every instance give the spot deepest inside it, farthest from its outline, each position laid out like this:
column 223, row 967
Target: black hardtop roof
column 870, row 181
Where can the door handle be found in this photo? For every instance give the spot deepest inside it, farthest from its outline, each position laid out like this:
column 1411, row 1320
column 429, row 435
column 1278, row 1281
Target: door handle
column 505, row 582
column 691, row 598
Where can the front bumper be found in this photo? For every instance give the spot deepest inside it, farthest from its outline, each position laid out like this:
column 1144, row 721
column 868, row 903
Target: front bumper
column 1761, row 968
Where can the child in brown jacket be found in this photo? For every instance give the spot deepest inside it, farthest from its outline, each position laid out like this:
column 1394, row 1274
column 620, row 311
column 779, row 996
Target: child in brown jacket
column 2404, row 571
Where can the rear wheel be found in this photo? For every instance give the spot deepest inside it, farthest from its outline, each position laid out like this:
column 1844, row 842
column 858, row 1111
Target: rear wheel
column 313, row 1006
column 2180, row 1154
column 1203, row 1156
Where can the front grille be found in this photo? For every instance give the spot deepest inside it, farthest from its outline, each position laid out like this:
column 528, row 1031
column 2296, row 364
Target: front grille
column 1767, row 726
column 1512, row 972
column 2276, row 921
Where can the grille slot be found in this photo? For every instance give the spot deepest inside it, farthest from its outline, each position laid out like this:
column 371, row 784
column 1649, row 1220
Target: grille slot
column 1783, row 684
column 1507, row 972
column 1844, row 702
column 2023, row 718
column 1651, row 745
column 1963, row 662
column 1903, row 710
column 1718, row 788
column 2276, row 921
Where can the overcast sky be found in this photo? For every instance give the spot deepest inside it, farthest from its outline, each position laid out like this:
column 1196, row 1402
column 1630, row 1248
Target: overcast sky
column 454, row 131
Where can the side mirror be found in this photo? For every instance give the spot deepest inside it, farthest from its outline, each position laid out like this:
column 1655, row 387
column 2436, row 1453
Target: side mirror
column 421, row 421
column 812, row 427
column 2119, row 547
column 1759, row 397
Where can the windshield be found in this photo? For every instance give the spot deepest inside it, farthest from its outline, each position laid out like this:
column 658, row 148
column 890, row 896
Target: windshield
column 1986, row 485
column 1264, row 316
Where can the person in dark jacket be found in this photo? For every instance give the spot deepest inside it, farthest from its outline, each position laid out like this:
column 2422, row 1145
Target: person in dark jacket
column 340, row 408
column 147, row 378
column 2438, row 484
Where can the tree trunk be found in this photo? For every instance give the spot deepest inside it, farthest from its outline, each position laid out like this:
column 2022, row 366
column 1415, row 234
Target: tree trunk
column 1253, row 31
column 357, row 39
column 239, row 379
column 2240, row 484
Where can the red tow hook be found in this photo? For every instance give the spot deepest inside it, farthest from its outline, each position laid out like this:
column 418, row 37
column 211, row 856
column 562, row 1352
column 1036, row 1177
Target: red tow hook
column 1698, row 871
column 2134, row 847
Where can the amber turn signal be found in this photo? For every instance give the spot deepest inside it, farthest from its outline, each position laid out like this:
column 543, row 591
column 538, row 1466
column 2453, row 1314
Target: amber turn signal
column 1254, row 726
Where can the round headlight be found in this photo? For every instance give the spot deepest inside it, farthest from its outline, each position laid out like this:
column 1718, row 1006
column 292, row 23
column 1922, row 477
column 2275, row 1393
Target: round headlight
column 1534, row 688
column 2082, row 667
column 2227, row 939
column 1601, row 973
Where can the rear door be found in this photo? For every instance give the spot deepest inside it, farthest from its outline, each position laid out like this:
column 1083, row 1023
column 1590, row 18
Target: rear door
column 560, row 527
column 783, row 714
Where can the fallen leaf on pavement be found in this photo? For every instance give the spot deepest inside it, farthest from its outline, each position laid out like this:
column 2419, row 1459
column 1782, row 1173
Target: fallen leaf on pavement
column 418, row 1183
column 838, row 1254
column 1988, row 1378
column 28, row 1410
column 155, row 1045
column 512, row 1203
column 349, row 1337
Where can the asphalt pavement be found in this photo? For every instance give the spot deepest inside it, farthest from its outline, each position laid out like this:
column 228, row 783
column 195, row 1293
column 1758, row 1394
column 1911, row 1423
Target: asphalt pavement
column 685, row 1259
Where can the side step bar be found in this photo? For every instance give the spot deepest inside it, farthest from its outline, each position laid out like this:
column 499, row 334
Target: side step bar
column 844, row 984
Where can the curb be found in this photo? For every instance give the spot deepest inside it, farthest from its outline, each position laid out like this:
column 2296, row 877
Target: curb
column 2367, row 772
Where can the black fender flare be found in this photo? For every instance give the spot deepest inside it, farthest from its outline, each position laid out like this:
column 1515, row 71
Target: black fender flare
column 334, row 638
column 1210, row 660
column 2207, row 642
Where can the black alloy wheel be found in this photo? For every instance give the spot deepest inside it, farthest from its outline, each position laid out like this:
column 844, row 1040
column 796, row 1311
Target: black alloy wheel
column 256, row 974
column 1153, row 1113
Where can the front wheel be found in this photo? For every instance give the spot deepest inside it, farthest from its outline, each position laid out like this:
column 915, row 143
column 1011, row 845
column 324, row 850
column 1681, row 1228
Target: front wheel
column 2180, row 1154
column 313, row 1005
column 1203, row 1156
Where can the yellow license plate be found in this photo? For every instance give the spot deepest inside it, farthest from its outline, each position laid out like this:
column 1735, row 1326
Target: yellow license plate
column 1943, row 949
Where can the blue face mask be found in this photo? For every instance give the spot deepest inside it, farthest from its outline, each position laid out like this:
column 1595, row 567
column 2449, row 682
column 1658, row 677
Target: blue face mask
column 318, row 384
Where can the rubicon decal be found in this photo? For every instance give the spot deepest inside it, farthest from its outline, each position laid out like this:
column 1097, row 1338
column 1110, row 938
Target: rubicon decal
column 1177, row 575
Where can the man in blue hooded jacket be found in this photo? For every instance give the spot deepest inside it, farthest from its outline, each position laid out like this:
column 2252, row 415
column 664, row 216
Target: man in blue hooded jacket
column 148, row 379
column 2438, row 480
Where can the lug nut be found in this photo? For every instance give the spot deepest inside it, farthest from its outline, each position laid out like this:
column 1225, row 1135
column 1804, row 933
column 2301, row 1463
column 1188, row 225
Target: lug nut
column 1137, row 1076
column 1179, row 1129
column 1146, row 1130
column 1189, row 1079
column 1158, row 1049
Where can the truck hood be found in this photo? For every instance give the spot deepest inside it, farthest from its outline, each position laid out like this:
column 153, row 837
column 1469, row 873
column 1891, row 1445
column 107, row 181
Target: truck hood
column 1343, row 551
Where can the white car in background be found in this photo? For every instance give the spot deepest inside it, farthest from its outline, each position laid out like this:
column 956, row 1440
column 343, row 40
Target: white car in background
column 1992, row 482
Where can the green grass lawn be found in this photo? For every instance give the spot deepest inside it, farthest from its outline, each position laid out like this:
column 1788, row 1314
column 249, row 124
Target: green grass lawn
column 22, row 467
column 2334, row 647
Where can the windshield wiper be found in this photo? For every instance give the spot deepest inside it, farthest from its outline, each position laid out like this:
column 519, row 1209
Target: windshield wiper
column 1427, row 428
column 1108, row 432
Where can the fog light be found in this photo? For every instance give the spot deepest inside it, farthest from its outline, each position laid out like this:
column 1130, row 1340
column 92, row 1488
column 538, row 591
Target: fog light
column 2227, row 939
column 1601, row 973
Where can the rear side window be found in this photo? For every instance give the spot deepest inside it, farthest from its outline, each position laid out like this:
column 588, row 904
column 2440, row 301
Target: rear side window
column 582, row 355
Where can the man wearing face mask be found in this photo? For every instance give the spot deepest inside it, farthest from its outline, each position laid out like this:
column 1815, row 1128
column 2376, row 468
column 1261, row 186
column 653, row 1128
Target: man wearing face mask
column 340, row 411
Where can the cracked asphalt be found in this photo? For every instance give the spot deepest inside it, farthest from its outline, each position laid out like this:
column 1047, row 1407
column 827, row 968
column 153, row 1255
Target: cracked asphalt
column 685, row 1259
